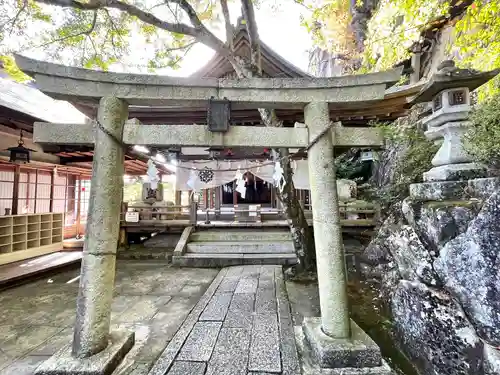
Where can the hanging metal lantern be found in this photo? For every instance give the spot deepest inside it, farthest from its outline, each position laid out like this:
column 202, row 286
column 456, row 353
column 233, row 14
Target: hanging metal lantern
column 20, row 154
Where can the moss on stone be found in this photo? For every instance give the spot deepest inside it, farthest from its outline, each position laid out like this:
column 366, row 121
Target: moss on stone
column 457, row 203
column 372, row 316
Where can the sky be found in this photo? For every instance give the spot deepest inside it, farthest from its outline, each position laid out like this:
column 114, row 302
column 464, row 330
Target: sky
column 278, row 24
column 279, row 27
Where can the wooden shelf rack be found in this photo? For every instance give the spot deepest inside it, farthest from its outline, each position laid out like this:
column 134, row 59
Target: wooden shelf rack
column 27, row 236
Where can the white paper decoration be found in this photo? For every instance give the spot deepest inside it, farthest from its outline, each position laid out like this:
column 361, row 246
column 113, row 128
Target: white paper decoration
column 240, row 184
column 152, row 173
column 278, row 176
column 191, row 182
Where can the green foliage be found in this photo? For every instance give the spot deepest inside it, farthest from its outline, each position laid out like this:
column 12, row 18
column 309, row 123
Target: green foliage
column 10, row 67
column 478, row 41
column 335, row 33
column 407, row 156
column 397, row 24
column 100, row 38
column 483, row 139
column 350, row 166
column 132, row 192
column 394, row 27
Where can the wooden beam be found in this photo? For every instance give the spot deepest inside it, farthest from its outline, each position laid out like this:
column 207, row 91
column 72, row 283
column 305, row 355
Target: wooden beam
column 67, row 160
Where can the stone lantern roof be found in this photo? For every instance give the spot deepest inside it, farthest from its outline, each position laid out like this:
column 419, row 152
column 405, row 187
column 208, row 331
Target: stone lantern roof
column 449, row 76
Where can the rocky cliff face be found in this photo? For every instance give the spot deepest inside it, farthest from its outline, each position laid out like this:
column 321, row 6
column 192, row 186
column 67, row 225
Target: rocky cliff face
column 438, row 267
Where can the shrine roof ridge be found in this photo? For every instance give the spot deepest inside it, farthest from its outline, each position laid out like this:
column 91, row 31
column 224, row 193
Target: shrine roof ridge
column 33, row 67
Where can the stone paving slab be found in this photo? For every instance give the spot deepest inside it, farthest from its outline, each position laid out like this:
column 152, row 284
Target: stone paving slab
column 230, row 355
column 200, row 342
column 265, row 346
column 185, row 368
column 240, row 314
column 228, row 284
column 217, row 308
column 241, row 326
column 247, row 285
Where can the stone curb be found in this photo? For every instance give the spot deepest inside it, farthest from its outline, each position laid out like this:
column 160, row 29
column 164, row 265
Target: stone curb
column 289, row 356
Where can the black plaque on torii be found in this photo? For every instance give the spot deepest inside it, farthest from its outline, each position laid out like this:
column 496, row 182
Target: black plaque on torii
column 218, row 115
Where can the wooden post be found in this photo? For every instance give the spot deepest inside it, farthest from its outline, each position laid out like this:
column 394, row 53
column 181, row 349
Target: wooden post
column 206, row 198
column 78, row 206
column 15, row 190
column 51, row 196
column 178, row 197
column 235, row 194
column 36, row 189
column 415, row 64
column 193, row 216
column 28, row 188
column 65, row 195
column 218, row 198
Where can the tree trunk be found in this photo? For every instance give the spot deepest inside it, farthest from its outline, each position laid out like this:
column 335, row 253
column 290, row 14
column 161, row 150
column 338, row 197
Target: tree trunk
column 302, row 234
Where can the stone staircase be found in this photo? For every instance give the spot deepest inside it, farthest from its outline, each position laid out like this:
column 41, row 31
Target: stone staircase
column 235, row 246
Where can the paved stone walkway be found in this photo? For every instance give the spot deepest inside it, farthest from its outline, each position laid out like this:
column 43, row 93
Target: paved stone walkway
column 151, row 298
column 241, row 325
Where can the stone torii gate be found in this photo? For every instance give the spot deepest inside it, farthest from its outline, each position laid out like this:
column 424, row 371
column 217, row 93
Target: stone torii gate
column 336, row 340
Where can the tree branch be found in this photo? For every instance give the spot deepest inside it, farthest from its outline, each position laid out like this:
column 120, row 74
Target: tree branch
column 16, row 17
column 84, row 32
column 204, row 35
column 145, row 17
column 199, row 32
column 253, row 33
column 191, row 13
column 227, row 22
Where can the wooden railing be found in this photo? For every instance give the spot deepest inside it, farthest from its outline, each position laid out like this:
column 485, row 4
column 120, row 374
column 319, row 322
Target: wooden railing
column 350, row 214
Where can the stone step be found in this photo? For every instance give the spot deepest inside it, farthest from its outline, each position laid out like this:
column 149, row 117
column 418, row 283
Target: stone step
column 256, row 247
column 224, row 260
column 240, row 236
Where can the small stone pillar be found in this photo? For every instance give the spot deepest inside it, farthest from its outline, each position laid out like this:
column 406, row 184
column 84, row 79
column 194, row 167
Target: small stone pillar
column 332, row 279
column 92, row 327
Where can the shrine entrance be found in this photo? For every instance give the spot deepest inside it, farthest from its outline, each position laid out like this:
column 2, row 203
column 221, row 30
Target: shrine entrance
column 257, row 191
column 333, row 335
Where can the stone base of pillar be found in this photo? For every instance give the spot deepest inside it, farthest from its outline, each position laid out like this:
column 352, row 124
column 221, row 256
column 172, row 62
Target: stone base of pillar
column 478, row 188
column 103, row 363
column 357, row 355
column 455, row 172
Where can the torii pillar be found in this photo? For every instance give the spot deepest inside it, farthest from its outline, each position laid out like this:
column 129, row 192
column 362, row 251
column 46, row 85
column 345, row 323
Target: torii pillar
column 336, row 341
column 96, row 350
column 332, row 279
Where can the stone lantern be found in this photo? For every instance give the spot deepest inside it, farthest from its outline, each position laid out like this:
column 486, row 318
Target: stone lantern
column 448, row 91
